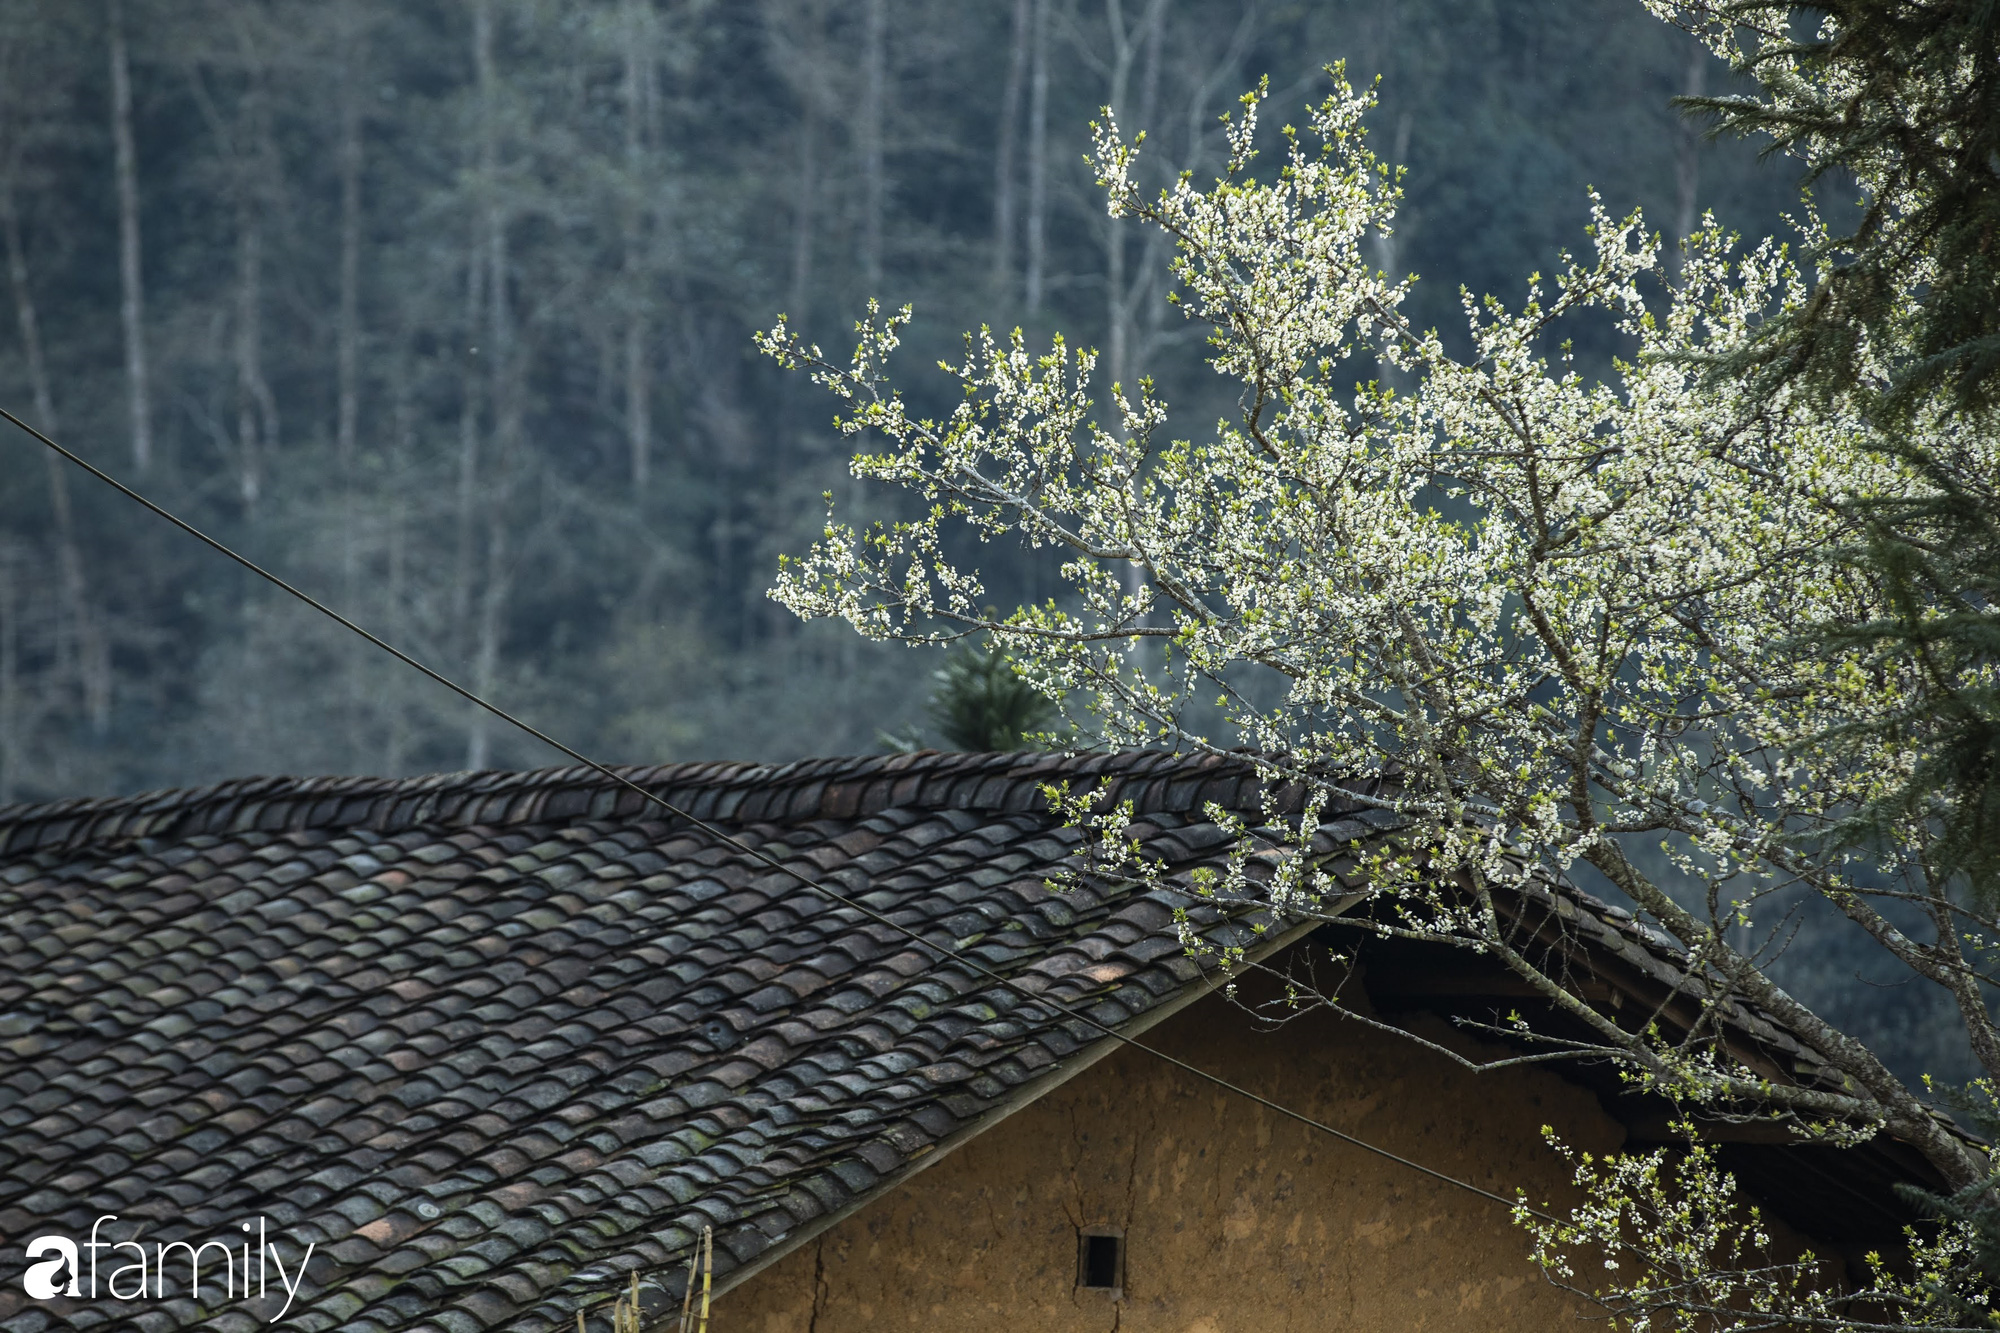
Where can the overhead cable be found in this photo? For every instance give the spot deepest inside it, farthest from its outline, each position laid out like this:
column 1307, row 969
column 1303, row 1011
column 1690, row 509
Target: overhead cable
column 758, row 854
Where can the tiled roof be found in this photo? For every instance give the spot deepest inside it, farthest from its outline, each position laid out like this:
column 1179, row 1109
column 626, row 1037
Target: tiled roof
column 493, row 1041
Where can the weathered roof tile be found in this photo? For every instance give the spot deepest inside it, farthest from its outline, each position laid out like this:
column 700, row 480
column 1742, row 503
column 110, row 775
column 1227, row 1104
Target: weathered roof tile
column 496, row 1040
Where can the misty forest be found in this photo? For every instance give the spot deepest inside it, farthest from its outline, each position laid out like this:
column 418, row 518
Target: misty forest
column 443, row 311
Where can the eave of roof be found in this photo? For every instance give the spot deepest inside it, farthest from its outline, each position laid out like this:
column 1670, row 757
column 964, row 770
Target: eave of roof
column 582, row 1030
column 1027, row 1094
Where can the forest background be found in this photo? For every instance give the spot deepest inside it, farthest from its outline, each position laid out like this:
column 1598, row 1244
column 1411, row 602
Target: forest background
column 442, row 310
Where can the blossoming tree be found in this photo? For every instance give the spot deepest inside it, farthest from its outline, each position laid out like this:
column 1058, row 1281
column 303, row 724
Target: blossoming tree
column 1548, row 617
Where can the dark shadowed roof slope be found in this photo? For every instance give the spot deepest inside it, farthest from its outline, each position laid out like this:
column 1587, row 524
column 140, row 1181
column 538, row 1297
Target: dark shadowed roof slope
column 492, row 1042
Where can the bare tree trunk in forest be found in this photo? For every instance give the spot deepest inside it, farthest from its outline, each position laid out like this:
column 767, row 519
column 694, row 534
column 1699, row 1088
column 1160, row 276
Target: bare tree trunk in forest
column 1387, row 249
column 347, row 353
column 874, row 80
column 10, row 678
column 808, row 61
column 468, row 445
column 1687, row 155
column 486, row 660
column 638, row 398
column 1153, row 38
column 133, row 305
column 1141, row 312
column 1038, row 161
column 503, row 392
column 639, row 101
column 402, row 445
column 252, row 157
column 1114, row 303
column 475, row 298
column 255, row 170
column 503, row 375
column 255, row 412
column 24, row 313
column 1388, row 245
column 1127, row 44
column 490, row 253
column 805, row 193
column 1004, row 172
column 79, row 644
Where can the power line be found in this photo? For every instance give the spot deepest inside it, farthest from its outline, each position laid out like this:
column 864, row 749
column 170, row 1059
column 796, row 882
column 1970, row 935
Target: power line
column 758, row 854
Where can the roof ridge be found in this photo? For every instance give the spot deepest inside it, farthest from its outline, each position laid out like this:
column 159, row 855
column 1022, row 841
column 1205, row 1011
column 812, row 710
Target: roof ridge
column 735, row 792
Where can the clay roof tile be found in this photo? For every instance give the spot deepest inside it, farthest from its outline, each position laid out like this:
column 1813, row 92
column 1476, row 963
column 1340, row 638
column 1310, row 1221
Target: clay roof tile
column 498, row 1039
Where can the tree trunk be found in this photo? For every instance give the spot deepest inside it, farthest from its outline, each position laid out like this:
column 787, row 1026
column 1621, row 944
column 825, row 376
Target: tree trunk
column 255, row 412
column 133, row 304
column 638, row 399
column 503, row 375
column 476, row 266
column 347, row 352
column 402, row 447
column 24, row 314
column 1387, row 250
column 468, row 449
column 1004, row 171
column 255, row 171
column 1127, row 44
column 79, row 645
column 874, row 80
column 1687, row 156
column 639, row 101
column 804, row 198
column 486, row 660
column 502, row 392
column 1114, row 301
column 347, row 361
column 1151, row 37
column 10, row 678
column 1038, row 161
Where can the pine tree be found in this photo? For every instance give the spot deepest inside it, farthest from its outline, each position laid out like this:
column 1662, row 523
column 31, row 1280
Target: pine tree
column 1934, row 562
column 1905, row 97
column 980, row 704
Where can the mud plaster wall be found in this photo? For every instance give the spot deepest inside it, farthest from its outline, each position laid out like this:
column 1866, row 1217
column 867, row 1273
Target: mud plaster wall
column 1235, row 1219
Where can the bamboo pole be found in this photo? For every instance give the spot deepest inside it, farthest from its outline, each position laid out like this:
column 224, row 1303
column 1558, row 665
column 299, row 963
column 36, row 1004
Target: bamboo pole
column 707, row 1272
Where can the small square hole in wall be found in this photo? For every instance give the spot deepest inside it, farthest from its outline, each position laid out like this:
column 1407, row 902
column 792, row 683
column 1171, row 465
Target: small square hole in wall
column 1100, row 1260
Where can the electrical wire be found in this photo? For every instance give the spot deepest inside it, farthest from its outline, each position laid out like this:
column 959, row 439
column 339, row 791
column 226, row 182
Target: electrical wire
column 722, row 835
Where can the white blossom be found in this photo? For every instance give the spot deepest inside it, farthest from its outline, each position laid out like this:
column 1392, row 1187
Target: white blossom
column 1554, row 613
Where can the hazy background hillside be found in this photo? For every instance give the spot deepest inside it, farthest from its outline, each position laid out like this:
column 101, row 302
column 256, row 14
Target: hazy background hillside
column 447, row 310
